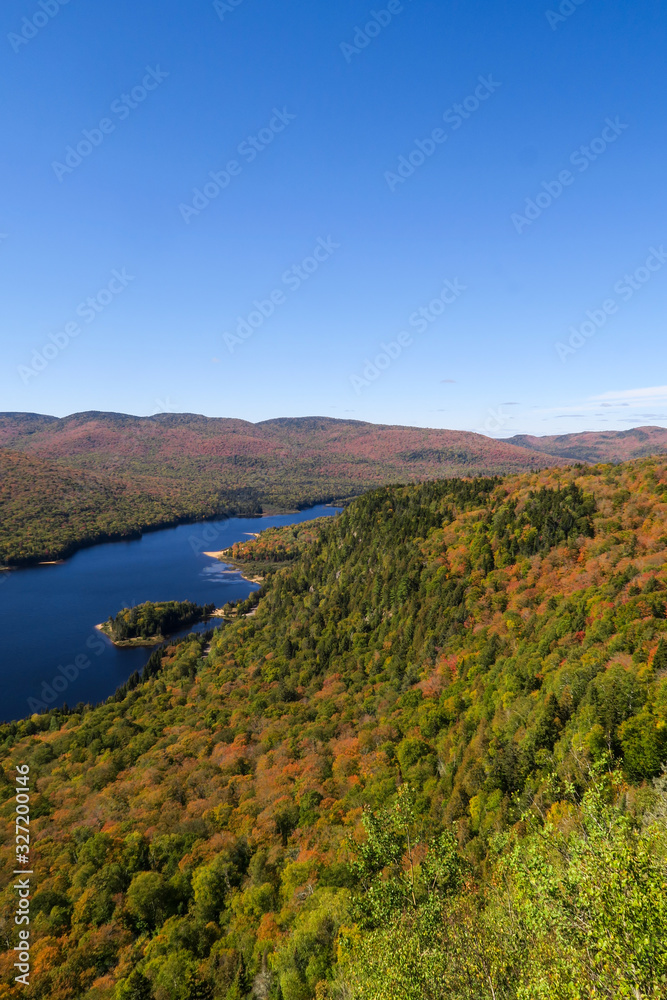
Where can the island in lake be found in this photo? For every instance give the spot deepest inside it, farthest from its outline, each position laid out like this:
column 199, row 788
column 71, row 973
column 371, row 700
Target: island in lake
column 148, row 624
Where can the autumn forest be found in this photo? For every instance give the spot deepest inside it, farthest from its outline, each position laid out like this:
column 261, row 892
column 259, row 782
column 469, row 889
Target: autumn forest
column 424, row 760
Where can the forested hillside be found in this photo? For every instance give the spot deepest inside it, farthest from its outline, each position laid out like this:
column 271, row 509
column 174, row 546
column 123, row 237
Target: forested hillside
column 48, row 510
column 428, row 765
column 98, row 476
column 272, row 549
column 93, row 477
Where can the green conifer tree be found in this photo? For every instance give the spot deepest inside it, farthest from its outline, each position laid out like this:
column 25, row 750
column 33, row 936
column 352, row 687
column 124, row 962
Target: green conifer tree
column 660, row 658
column 198, row 988
column 135, row 987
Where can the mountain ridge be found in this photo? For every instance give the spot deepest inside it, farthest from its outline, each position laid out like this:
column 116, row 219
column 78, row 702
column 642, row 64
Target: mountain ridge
column 105, row 476
column 598, row 446
column 590, row 446
column 185, row 467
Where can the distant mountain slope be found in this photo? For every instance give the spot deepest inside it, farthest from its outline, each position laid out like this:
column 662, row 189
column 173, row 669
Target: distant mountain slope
column 149, row 471
column 355, row 451
column 599, row 446
column 48, row 510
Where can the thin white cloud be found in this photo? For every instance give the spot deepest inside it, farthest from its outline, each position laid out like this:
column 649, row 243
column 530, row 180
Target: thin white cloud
column 624, row 407
column 623, row 399
column 658, row 392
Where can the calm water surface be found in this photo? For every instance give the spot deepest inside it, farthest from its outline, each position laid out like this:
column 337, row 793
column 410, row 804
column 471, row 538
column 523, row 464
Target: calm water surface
column 50, row 650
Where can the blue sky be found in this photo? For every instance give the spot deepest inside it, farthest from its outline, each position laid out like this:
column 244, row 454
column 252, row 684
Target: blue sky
column 342, row 195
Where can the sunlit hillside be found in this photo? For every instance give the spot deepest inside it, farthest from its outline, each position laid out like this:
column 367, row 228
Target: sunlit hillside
column 480, row 665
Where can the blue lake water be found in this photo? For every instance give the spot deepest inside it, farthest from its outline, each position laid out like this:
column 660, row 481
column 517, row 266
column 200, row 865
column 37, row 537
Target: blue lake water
column 50, row 650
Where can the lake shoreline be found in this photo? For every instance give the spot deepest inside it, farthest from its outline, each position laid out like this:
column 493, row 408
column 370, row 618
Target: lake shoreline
column 155, row 640
column 58, row 607
column 237, row 566
column 32, row 562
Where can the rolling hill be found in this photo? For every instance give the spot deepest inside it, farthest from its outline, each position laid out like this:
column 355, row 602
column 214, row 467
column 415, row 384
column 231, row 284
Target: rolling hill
column 423, row 761
column 599, row 446
column 98, row 476
column 351, row 451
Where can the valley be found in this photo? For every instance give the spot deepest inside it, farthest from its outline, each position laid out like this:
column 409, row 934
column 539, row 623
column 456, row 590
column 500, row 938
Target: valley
column 426, row 754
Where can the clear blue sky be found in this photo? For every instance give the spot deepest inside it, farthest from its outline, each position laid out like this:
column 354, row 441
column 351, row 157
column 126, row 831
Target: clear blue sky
column 180, row 88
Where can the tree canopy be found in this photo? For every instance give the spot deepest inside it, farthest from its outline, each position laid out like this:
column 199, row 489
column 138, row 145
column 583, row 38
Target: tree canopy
column 424, row 760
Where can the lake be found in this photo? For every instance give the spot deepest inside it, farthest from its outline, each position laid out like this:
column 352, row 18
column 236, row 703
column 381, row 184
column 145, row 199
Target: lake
column 50, row 650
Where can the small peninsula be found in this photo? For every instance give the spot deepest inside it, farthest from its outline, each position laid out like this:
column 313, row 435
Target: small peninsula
column 267, row 551
column 149, row 624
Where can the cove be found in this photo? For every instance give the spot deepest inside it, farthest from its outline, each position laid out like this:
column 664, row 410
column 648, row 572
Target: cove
column 48, row 613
